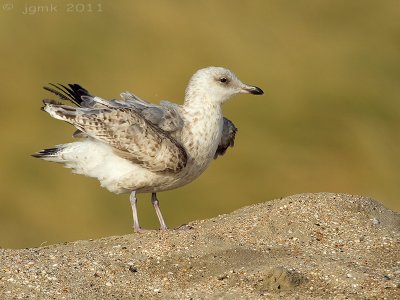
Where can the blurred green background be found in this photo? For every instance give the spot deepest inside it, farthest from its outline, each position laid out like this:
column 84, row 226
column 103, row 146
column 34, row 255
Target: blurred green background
column 329, row 119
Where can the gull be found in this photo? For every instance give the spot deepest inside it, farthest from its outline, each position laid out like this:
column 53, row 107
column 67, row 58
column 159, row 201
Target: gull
column 133, row 146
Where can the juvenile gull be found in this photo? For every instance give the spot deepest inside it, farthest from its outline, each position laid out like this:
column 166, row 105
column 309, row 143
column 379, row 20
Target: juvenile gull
column 133, row 146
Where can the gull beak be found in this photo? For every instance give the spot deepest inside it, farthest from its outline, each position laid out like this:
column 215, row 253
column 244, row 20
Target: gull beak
column 251, row 90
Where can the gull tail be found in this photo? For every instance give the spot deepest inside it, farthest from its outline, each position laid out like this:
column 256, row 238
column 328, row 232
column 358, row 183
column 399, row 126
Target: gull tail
column 51, row 154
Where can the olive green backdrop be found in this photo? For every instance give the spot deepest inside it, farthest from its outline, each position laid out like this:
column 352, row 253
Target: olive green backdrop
column 329, row 119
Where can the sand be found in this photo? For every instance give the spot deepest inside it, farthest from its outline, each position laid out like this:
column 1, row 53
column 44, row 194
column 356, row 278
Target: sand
column 321, row 246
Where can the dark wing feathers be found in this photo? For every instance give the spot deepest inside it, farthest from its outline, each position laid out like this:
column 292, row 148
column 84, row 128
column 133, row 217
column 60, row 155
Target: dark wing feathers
column 227, row 139
column 74, row 92
column 61, row 95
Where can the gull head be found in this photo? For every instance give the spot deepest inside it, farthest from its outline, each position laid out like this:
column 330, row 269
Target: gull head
column 217, row 84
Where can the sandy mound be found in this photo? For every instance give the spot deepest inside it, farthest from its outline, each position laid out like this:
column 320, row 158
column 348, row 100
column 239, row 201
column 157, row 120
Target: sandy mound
column 310, row 245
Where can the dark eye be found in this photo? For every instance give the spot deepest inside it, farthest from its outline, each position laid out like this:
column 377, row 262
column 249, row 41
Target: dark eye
column 223, row 79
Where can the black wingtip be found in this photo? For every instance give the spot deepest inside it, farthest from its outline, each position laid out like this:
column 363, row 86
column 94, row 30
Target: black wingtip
column 73, row 92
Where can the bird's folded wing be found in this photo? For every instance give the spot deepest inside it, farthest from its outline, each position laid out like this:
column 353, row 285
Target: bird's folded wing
column 227, row 139
column 131, row 135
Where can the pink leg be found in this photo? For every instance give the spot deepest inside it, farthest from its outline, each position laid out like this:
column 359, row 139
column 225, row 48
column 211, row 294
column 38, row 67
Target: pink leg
column 156, row 206
column 133, row 200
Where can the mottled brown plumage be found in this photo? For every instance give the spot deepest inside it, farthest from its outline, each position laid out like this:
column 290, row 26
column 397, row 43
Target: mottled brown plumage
column 132, row 136
column 133, row 146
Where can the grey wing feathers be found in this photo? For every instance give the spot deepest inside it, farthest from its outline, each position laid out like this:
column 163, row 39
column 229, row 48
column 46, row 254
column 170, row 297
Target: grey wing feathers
column 227, row 139
column 166, row 115
column 136, row 129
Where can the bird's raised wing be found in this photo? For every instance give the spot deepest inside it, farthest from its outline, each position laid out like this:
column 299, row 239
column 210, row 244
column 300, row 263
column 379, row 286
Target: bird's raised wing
column 227, row 139
column 165, row 116
column 118, row 123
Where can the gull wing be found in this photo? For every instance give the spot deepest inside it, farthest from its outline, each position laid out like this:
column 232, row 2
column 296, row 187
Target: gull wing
column 165, row 116
column 131, row 136
column 122, row 126
column 227, row 139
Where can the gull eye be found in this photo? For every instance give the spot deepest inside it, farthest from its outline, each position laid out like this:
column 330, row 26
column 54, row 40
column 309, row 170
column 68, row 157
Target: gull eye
column 223, row 80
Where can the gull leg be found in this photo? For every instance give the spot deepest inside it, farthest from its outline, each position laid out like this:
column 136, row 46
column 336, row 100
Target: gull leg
column 156, row 206
column 133, row 200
